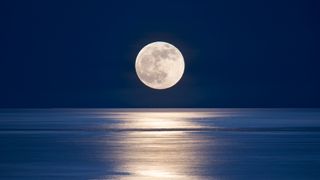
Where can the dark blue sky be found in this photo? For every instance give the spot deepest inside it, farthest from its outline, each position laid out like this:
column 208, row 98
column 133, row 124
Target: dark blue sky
column 237, row 53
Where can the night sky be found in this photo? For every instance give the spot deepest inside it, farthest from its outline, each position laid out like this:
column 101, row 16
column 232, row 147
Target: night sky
column 82, row 53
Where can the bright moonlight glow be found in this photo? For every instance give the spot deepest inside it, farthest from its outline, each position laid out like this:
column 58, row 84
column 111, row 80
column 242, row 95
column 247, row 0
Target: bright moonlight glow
column 159, row 65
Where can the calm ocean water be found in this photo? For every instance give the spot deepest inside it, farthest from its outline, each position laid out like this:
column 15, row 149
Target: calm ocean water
column 160, row 144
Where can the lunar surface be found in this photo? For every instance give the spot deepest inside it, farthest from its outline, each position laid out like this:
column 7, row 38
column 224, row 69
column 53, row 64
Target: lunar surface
column 159, row 65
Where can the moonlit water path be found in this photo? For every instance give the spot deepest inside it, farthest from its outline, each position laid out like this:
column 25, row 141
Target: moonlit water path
column 160, row 144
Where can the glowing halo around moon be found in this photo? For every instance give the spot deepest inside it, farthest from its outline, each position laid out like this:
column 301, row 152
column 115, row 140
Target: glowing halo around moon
column 159, row 65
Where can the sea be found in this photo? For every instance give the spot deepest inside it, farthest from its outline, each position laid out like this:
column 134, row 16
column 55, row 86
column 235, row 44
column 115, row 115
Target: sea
column 143, row 144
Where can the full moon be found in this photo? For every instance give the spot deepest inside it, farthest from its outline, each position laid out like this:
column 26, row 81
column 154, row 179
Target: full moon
column 159, row 65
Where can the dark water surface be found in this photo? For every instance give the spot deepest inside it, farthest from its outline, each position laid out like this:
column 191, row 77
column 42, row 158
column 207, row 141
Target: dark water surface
column 160, row 144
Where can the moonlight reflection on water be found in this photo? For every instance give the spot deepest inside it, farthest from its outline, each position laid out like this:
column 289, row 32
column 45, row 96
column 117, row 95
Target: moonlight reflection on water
column 160, row 154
